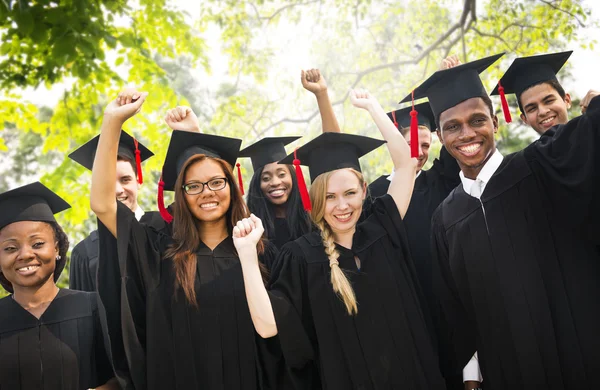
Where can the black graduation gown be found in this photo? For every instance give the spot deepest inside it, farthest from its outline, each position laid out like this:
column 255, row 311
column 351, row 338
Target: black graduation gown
column 63, row 349
column 518, row 272
column 84, row 256
column 159, row 340
column 386, row 345
column 282, row 233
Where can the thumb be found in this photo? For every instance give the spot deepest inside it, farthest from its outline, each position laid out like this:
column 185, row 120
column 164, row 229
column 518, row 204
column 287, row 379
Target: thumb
column 236, row 232
column 138, row 103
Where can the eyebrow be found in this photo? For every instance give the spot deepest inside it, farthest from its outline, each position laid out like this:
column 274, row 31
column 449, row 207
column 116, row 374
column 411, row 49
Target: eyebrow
column 34, row 235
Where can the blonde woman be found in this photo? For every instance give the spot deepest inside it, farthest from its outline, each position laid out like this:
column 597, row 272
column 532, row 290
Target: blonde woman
column 344, row 300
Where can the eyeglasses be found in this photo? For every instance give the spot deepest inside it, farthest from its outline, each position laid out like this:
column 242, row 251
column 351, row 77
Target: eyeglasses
column 197, row 187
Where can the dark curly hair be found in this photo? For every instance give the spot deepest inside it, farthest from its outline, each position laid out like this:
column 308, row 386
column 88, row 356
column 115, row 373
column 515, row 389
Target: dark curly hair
column 63, row 246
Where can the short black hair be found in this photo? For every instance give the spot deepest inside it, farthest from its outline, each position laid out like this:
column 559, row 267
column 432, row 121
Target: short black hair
column 486, row 99
column 553, row 83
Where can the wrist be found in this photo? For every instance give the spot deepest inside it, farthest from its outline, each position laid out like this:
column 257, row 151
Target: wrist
column 110, row 118
column 322, row 94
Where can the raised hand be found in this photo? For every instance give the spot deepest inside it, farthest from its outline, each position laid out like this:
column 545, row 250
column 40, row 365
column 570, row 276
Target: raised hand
column 362, row 99
column 450, row 62
column 127, row 104
column 182, row 118
column 313, row 81
column 247, row 233
column 585, row 102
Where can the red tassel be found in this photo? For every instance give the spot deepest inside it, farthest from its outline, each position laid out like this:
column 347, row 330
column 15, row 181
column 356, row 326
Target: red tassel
column 240, row 179
column 138, row 162
column 505, row 108
column 414, row 130
column 301, row 184
column 164, row 213
column 394, row 119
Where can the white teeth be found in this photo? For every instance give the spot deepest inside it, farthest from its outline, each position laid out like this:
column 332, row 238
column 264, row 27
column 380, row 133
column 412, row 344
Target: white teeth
column 547, row 120
column 470, row 148
column 277, row 192
column 28, row 268
column 343, row 216
column 208, row 205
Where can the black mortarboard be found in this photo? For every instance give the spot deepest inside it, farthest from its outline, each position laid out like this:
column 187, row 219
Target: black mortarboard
column 85, row 154
column 267, row 151
column 449, row 87
column 185, row 144
column 401, row 117
column 32, row 202
column 525, row 72
column 331, row 151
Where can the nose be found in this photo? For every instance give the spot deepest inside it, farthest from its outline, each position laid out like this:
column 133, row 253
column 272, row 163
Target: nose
column 467, row 132
column 342, row 204
column 421, row 152
column 543, row 110
column 26, row 253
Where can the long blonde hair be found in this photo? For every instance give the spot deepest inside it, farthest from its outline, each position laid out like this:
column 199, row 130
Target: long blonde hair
column 339, row 281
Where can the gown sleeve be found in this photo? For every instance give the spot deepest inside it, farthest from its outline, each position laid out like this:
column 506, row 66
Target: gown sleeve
column 78, row 269
column 269, row 255
column 104, row 371
column 446, row 170
column 384, row 212
column 455, row 333
column 295, row 328
column 128, row 267
column 566, row 159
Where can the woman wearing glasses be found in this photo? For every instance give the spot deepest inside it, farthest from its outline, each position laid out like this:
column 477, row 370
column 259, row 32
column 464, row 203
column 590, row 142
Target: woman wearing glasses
column 180, row 319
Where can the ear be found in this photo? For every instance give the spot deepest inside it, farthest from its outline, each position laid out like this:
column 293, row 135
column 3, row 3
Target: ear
column 524, row 119
column 364, row 187
column 495, row 122
column 567, row 100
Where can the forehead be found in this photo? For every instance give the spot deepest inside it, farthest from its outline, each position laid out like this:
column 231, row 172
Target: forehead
column 464, row 110
column 124, row 168
column 204, row 170
column 342, row 180
column 274, row 168
column 25, row 229
column 537, row 93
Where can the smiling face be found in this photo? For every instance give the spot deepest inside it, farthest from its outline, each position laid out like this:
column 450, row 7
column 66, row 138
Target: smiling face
column 424, row 145
column 467, row 132
column 543, row 107
column 343, row 201
column 28, row 251
column 209, row 205
column 276, row 183
column 127, row 186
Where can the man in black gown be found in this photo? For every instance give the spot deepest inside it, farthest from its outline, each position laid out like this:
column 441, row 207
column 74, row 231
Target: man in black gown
column 516, row 264
column 84, row 257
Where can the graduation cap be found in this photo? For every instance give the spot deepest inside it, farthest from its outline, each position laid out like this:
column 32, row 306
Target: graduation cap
column 267, row 151
column 129, row 147
column 526, row 72
column 401, row 117
column 449, row 87
column 32, row 202
column 328, row 152
column 185, row 144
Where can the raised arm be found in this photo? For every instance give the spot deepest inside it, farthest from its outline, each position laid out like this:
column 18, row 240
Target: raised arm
column 104, row 171
column 403, row 182
column 246, row 234
column 313, row 81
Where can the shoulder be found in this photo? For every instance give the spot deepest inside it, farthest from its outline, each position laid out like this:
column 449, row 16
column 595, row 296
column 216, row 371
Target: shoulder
column 81, row 247
column 305, row 249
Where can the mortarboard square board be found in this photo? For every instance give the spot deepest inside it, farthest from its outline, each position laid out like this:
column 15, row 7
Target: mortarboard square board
column 526, row 72
column 331, row 151
column 266, row 151
column 185, row 144
column 425, row 117
column 85, row 154
column 32, row 202
column 449, row 87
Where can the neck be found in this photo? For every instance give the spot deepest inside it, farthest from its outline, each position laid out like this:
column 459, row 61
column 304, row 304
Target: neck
column 134, row 207
column 471, row 172
column 32, row 297
column 344, row 238
column 213, row 232
column 280, row 210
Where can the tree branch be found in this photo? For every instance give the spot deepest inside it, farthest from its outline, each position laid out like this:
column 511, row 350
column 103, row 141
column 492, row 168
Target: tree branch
column 581, row 24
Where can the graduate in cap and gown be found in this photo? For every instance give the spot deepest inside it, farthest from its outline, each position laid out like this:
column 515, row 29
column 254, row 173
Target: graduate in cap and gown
column 273, row 194
column 50, row 338
column 541, row 98
column 185, row 320
column 345, row 300
column 84, row 256
column 515, row 246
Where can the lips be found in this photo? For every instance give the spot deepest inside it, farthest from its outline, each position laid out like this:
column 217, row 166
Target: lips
column 548, row 121
column 470, row 149
column 343, row 217
column 277, row 192
column 28, row 270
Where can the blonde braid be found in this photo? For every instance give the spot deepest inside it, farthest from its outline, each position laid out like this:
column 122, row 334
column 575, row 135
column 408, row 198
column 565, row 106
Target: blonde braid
column 341, row 284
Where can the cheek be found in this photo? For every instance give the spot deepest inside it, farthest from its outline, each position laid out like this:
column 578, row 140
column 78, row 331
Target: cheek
column 264, row 185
